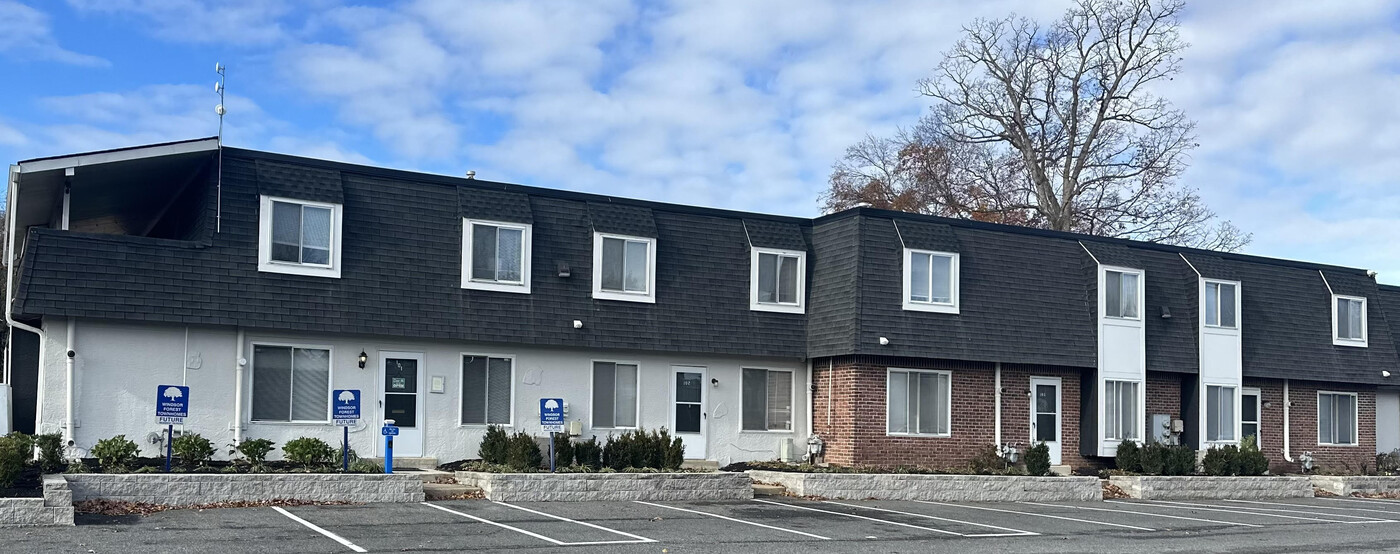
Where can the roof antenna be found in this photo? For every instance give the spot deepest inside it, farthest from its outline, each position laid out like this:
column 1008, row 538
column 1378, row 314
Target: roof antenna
column 219, row 171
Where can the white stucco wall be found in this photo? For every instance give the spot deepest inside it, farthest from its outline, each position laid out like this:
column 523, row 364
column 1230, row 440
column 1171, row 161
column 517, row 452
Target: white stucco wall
column 1387, row 421
column 119, row 365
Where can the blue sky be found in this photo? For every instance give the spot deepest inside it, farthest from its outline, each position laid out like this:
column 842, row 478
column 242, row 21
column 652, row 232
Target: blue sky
column 730, row 103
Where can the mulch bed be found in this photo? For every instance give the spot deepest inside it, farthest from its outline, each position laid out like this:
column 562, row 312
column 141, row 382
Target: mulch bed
column 90, row 465
column 30, row 484
column 119, row 508
column 1111, row 491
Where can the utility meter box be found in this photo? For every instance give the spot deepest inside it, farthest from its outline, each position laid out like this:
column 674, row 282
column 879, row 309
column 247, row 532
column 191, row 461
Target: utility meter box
column 1161, row 429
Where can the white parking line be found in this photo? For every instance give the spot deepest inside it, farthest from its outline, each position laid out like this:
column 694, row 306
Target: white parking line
column 1213, row 508
column 1037, row 515
column 639, row 538
column 1382, row 501
column 537, row 535
column 1294, row 510
column 1153, row 514
column 727, row 518
column 1392, row 512
column 1011, row 533
column 786, row 505
column 337, row 538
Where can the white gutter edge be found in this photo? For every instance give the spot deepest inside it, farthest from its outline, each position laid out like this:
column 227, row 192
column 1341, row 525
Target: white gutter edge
column 79, row 160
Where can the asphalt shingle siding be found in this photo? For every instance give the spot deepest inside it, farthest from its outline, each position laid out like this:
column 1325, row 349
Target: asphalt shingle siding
column 494, row 205
column 636, row 221
column 1390, row 305
column 775, row 234
column 832, row 297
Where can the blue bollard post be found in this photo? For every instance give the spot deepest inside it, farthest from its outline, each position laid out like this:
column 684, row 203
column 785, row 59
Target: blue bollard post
column 169, row 439
column 345, row 450
column 388, row 454
column 551, row 452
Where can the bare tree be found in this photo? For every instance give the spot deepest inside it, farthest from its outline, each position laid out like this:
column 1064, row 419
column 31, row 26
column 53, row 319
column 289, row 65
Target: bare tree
column 1054, row 127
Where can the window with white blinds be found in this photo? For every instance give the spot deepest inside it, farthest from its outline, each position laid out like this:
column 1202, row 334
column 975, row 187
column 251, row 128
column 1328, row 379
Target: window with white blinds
column 919, row 402
column 614, row 395
column 291, row 383
column 767, row 400
column 486, row 390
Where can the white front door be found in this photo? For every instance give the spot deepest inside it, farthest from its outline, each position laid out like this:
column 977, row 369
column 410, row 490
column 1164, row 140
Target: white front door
column 401, row 399
column 1045, row 414
column 688, row 414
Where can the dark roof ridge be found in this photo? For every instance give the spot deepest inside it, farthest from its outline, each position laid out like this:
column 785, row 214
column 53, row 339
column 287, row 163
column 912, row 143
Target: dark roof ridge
column 1067, row 235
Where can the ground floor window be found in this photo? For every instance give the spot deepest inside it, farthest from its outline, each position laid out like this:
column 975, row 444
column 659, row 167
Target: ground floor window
column 1220, row 413
column 614, row 395
column 486, row 390
column 291, row 383
column 1120, row 404
column 767, row 400
column 1336, row 418
column 919, row 402
column 1249, row 415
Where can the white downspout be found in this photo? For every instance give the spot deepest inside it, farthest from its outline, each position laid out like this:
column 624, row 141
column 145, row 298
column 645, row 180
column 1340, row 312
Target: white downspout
column 238, row 363
column 12, row 194
column 1287, row 456
column 997, row 405
column 829, row 391
column 811, row 426
column 68, row 433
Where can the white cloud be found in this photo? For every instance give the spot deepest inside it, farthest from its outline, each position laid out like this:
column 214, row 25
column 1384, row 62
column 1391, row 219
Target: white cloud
column 236, row 24
column 10, row 136
column 25, row 34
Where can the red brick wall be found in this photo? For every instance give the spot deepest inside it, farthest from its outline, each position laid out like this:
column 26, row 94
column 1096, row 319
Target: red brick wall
column 853, row 426
column 1302, row 416
column 1163, row 397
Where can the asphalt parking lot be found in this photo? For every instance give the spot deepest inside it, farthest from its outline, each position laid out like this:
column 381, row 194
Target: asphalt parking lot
column 761, row 525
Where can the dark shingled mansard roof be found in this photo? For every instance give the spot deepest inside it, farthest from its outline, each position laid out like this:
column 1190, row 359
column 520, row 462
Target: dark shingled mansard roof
column 1027, row 295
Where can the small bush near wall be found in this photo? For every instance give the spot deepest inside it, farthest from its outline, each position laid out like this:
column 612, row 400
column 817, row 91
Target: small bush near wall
column 1038, row 460
column 1161, row 459
column 192, row 449
column 115, row 454
column 494, row 445
column 253, row 452
column 1129, row 457
column 308, row 451
column 563, row 450
column 1220, row 460
column 589, row 454
column 522, row 453
column 50, row 452
column 15, row 449
column 1388, row 463
column 640, row 449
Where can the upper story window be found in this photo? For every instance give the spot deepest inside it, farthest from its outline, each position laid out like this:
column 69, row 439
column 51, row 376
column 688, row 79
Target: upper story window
column 1222, row 305
column 496, row 256
column 1120, row 294
column 624, row 268
column 1349, row 320
column 299, row 237
column 776, row 280
column 931, row 281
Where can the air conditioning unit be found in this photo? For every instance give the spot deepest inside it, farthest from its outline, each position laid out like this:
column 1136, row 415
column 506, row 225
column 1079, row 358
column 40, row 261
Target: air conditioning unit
column 785, row 450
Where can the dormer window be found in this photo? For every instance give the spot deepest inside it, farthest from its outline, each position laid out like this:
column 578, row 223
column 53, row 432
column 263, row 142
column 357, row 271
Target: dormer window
column 776, row 280
column 624, row 268
column 1120, row 294
column 496, row 256
column 931, row 281
column 1222, row 305
column 1349, row 320
column 299, row 237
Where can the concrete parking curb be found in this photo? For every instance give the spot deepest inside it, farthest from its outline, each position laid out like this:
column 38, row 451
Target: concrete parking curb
column 54, row 508
column 944, row 488
column 1346, row 485
column 1151, row 487
column 188, row 488
column 573, row 487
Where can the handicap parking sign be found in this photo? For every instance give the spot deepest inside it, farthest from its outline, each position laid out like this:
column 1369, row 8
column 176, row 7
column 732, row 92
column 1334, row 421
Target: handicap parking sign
column 172, row 404
column 346, row 407
column 552, row 415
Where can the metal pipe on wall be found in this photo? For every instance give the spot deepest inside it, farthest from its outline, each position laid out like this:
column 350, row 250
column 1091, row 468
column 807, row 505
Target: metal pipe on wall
column 1287, row 456
column 12, row 195
column 238, row 363
column 68, row 426
column 996, row 405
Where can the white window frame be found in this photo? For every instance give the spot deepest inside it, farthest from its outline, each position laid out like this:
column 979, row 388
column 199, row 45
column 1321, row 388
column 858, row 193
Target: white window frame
column 954, row 271
column 462, row 366
column 649, row 296
column 468, row 282
column 781, row 307
column 947, row 402
column 1365, row 329
column 1235, row 416
column 265, row 261
column 330, row 381
column 1355, row 418
column 592, row 383
column 1217, row 326
column 1140, row 400
column 1103, row 292
column 792, row 403
column 1258, row 415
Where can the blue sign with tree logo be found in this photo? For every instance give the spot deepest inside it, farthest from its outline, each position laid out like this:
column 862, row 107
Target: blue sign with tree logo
column 345, row 407
column 552, row 415
column 172, row 404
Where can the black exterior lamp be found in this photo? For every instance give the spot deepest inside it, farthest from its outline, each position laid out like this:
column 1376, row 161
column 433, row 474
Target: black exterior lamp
column 363, row 358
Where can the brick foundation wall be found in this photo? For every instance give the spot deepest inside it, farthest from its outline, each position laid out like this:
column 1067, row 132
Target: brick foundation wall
column 854, row 427
column 1302, row 417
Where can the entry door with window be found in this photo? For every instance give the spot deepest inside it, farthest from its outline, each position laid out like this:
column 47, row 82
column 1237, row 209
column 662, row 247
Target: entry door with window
column 688, row 415
column 402, row 400
column 1249, row 415
column 1045, row 414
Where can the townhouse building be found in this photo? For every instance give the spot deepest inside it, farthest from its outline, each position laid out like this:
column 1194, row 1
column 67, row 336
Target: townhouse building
column 265, row 281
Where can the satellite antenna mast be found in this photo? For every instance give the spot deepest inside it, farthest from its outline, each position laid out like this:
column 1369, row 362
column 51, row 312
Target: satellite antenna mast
column 219, row 171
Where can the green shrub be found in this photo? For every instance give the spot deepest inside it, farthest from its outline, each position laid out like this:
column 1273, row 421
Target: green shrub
column 308, row 451
column 563, row 450
column 1221, row 461
column 15, row 450
column 589, row 454
column 523, row 454
column 50, row 452
column 986, row 461
column 1129, row 457
column 365, row 466
column 1038, row 460
column 192, row 449
column 1151, row 459
column 1251, row 461
column 1178, row 460
column 675, row 455
column 115, row 454
column 639, row 449
column 494, row 445
column 254, row 451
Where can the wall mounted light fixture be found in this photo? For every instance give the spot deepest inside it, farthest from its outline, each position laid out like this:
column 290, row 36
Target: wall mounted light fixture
column 363, row 358
column 714, row 382
column 884, row 341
